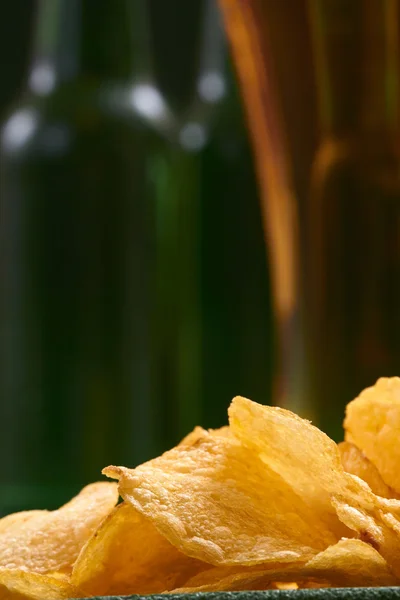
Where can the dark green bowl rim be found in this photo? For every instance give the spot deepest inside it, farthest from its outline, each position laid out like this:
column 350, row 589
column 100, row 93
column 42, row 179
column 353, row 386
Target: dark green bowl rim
column 385, row 593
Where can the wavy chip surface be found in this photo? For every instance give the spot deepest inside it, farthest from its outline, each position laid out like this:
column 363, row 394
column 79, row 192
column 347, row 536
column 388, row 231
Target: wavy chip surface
column 355, row 462
column 350, row 562
column 372, row 423
column 217, row 501
column 45, row 542
column 21, row 585
column 127, row 555
column 268, row 502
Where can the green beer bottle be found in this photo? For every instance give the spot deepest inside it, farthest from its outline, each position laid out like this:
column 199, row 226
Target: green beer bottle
column 109, row 341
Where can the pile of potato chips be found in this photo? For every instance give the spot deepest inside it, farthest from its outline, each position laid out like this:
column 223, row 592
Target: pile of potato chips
column 268, row 502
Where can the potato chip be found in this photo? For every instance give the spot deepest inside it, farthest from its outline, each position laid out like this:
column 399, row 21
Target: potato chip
column 372, row 423
column 224, row 431
column 44, row 542
column 20, row 585
column 354, row 461
column 198, row 433
column 220, row 579
column 127, row 555
column 253, row 579
column 218, row 502
column 18, row 519
column 212, row 577
column 309, row 460
column 269, row 502
column 250, row 582
column 376, row 525
column 348, row 563
column 233, row 583
column 303, row 455
column 192, row 437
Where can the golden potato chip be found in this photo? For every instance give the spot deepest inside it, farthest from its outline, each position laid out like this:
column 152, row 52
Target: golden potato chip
column 192, row 437
column 20, row 585
column 287, row 458
column 372, row 423
column 44, row 542
column 212, row 577
column 218, row 502
column 18, row 519
column 350, row 563
column 253, row 579
column 224, row 431
column 309, row 460
column 234, row 581
column 354, row 461
column 269, row 502
column 198, row 433
column 374, row 519
column 127, row 555
column 303, row 455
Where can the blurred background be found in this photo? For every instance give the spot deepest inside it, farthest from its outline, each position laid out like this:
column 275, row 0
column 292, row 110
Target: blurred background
column 16, row 26
column 135, row 296
column 198, row 200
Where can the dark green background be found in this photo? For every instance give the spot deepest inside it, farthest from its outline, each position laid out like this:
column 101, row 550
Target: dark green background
column 56, row 451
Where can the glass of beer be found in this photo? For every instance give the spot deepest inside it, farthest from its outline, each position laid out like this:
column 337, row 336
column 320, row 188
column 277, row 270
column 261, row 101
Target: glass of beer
column 320, row 83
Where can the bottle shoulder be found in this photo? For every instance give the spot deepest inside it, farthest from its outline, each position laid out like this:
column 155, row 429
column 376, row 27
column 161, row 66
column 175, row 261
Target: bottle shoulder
column 72, row 114
column 112, row 117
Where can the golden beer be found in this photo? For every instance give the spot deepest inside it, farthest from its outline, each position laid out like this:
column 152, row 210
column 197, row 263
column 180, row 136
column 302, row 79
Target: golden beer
column 320, row 82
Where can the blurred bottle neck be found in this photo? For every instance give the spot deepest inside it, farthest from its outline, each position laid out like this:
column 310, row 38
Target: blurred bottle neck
column 177, row 46
column 356, row 64
column 90, row 38
column 188, row 45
